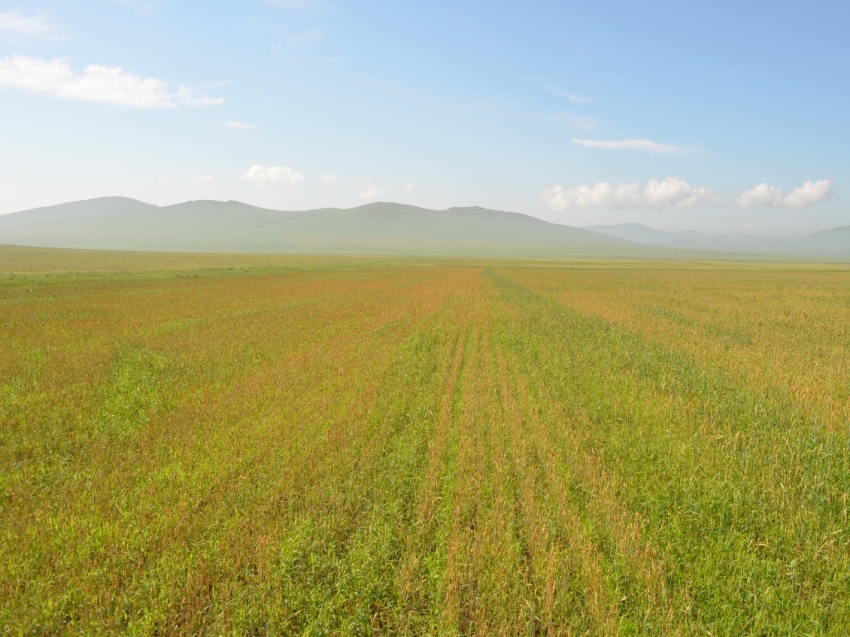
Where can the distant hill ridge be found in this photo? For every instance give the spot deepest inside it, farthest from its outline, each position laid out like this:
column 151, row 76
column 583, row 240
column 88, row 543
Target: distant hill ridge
column 833, row 243
column 121, row 223
column 374, row 228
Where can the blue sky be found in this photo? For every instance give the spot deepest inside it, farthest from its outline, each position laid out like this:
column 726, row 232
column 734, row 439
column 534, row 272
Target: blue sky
column 725, row 116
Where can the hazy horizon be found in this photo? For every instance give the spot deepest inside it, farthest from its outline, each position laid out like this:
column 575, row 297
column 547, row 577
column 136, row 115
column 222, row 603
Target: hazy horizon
column 720, row 119
column 595, row 227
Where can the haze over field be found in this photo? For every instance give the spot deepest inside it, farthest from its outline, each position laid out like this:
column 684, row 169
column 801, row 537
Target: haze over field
column 720, row 117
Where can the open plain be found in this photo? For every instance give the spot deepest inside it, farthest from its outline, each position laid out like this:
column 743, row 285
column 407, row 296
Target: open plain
column 225, row 444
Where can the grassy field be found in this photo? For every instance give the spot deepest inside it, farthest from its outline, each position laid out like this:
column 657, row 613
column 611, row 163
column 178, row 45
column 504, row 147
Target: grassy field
column 277, row 445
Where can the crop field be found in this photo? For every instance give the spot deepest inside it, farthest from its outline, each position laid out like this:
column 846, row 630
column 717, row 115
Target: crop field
column 347, row 447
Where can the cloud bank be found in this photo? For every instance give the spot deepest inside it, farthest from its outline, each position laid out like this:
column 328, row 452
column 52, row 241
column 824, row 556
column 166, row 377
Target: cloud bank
column 96, row 84
column 673, row 192
column 806, row 196
column 669, row 193
column 264, row 176
column 644, row 145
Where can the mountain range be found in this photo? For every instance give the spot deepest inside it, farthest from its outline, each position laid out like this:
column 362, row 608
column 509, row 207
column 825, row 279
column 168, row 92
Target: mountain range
column 120, row 223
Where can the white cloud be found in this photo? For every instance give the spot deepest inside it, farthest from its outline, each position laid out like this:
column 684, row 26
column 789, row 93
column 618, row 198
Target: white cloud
column 200, row 178
column 575, row 98
column 38, row 26
column 369, row 189
column 98, row 84
column 409, row 187
column 806, row 196
column 672, row 192
column 763, row 195
column 809, row 194
column 645, row 145
column 272, row 175
column 232, row 125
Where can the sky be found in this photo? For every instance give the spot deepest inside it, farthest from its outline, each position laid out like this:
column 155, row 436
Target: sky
column 719, row 116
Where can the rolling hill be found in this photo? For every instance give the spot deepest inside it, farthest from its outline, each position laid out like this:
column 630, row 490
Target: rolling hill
column 120, row 223
column 376, row 228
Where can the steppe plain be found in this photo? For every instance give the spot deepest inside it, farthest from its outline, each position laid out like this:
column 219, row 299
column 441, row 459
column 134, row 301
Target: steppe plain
column 260, row 444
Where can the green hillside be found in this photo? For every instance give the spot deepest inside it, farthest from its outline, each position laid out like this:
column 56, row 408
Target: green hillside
column 377, row 228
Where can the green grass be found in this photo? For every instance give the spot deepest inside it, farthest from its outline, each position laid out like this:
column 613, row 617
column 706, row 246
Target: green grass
column 249, row 444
